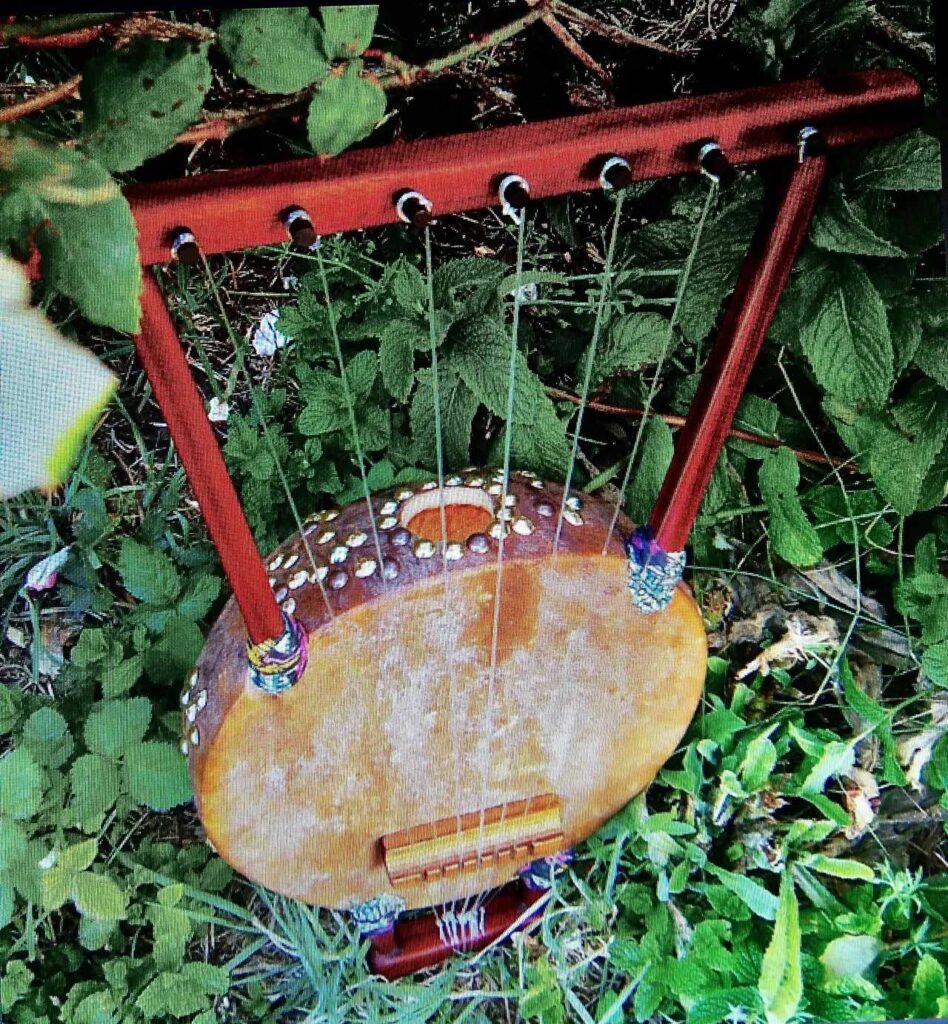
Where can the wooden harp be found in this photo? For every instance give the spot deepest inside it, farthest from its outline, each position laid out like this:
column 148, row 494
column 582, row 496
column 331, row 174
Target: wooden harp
column 330, row 723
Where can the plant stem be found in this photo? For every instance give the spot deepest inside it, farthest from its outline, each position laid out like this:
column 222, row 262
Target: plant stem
column 65, row 40
column 55, row 25
column 412, row 73
column 571, row 44
column 611, row 32
column 804, row 454
column 40, row 102
column 404, row 74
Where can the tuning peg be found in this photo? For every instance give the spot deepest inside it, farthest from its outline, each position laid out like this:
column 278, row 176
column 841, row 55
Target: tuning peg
column 514, row 194
column 184, row 247
column 811, row 142
column 299, row 226
column 415, row 209
column 715, row 164
column 615, row 174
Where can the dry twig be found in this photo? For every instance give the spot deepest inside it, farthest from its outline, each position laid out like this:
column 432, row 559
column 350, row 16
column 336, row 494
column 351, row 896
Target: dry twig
column 804, row 454
column 41, row 101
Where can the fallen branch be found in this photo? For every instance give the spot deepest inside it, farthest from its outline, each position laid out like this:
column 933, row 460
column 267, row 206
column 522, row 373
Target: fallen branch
column 804, row 454
column 564, row 36
column 60, row 24
column 65, row 40
column 224, row 125
column 411, row 73
column 611, row 32
column 41, row 101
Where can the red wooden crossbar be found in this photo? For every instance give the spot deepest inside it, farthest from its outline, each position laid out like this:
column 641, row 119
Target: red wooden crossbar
column 241, row 209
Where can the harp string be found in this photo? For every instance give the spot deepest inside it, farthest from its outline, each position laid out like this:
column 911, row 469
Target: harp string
column 445, row 915
column 682, row 285
column 606, row 282
column 241, row 367
column 350, row 408
column 436, row 390
column 501, row 538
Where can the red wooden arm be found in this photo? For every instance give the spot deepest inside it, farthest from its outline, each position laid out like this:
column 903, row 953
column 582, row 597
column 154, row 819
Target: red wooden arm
column 412, row 944
column 161, row 355
column 749, row 315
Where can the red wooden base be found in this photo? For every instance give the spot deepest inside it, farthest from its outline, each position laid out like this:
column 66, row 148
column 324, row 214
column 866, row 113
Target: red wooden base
column 415, row 943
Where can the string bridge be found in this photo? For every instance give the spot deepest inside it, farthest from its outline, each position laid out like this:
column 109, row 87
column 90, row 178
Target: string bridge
column 515, row 832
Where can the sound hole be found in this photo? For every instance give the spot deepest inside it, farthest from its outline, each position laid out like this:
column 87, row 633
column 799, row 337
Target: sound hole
column 467, row 510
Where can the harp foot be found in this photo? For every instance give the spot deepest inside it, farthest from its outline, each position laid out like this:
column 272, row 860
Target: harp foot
column 412, row 944
column 276, row 665
column 653, row 572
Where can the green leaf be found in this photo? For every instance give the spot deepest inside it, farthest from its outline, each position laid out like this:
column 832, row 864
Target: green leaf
column 9, row 709
column 758, row 764
column 147, row 573
column 325, row 409
column 792, row 536
column 932, row 359
column 347, row 31
column 542, row 443
column 184, row 992
column 760, row 416
column 397, row 363
column 98, row 896
column 84, row 229
column 199, row 594
column 845, row 335
column 481, row 353
column 21, row 784
column 173, row 653
column 95, row 786
column 59, row 870
column 171, row 928
column 408, row 288
column 13, row 843
column 16, row 983
column 157, row 776
column 909, row 163
column 458, row 406
column 137, row 98
column 635, row 340
column 935, row 664
column 850, row 956
column 761, row 902
column 46, row 736
column 841, row 867
column 657, row 450
column 781, row 977
column 469, row 272
column 837, row 758
column 345, row 110
column 928, row 987
column 838, row 228
column 716, row 265
column 114, row 726
column 54, row 391
column 899, row 466
column 277, row 49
